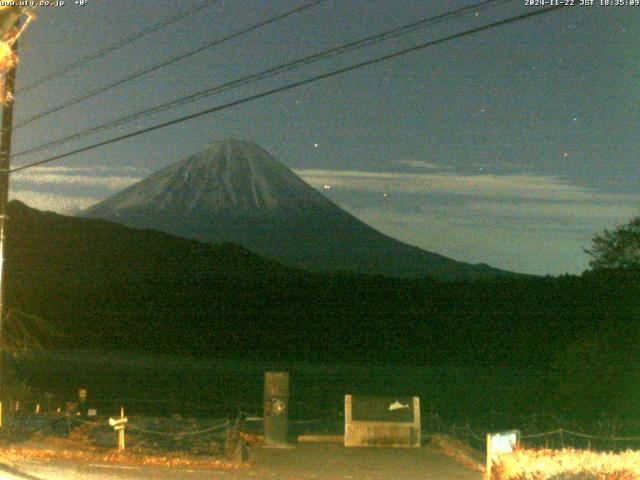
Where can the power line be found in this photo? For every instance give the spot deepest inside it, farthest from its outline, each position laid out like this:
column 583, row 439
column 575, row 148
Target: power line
column 119, row 44
column 269, row 73
column 293, row 85
column 167, row 62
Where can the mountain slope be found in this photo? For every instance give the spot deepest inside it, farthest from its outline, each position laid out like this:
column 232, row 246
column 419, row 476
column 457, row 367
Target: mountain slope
column 113, row 287
column 236, row 192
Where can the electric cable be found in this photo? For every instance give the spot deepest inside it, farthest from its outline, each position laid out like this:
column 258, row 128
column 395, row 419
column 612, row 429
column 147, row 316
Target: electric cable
column 165, row 63
column 269, row 73
column 293, row 85
column 115, row 46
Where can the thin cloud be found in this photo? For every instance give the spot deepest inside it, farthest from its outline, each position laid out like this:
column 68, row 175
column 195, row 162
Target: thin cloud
column 67, row 190
column 71, row 170
column 420, row 164
column 520, row 186
column 105, row 178
column 56, row 202
column 553, row 212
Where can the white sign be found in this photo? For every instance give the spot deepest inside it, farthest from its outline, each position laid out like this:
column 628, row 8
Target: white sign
column 500, row 444
column 117, row 421
column 397, row 406
column 504, row 442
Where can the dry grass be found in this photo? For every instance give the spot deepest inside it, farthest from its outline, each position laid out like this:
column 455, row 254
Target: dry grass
column 567, row 465
column 55, row 448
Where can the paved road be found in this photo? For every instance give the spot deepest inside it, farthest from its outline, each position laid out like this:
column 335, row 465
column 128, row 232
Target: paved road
column 304, row 462
column 60, row 470
column 326, row 461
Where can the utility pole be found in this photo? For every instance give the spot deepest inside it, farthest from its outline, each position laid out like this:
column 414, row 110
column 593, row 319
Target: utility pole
column 10, row 30
column 5, row 158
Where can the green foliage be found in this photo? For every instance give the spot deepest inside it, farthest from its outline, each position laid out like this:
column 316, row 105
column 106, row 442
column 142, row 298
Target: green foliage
column 591, row 374
column 619, row 249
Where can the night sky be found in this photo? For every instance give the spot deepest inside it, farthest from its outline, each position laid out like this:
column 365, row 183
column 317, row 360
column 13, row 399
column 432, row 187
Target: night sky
column 510, row 147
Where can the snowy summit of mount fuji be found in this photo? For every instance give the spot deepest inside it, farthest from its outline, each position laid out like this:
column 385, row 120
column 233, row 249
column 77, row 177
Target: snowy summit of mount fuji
column 229, row 176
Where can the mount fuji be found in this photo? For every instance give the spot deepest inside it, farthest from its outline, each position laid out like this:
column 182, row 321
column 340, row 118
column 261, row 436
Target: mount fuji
column 237, row 192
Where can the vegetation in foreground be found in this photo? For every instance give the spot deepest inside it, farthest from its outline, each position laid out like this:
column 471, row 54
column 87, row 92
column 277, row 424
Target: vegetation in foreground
column 95, row 442
column 567, row 465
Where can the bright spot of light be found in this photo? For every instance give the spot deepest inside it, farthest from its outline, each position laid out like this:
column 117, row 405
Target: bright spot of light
column 327, row 187
column 8, row 57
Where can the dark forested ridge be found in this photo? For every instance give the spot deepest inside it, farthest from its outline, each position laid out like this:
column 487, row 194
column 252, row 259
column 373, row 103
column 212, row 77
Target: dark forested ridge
column 112, row 287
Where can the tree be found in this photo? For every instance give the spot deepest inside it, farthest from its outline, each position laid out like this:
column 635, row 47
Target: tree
column 24, row 334
column 619, row 249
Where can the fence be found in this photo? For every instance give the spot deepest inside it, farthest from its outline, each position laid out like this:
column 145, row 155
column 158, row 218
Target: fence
column 604, row 434
column 540, row 430
column 209, row 436
column 171, row 434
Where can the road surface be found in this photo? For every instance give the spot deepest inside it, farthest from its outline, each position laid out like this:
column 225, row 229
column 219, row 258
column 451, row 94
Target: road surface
column 312, row 461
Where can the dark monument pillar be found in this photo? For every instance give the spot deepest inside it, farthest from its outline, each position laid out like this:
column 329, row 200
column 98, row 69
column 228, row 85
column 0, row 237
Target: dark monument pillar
column 276, row 408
